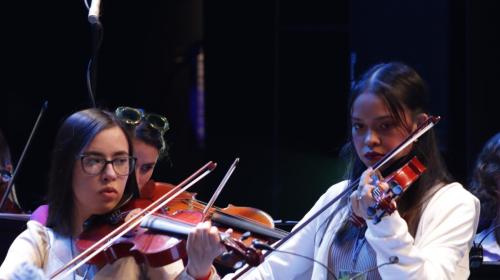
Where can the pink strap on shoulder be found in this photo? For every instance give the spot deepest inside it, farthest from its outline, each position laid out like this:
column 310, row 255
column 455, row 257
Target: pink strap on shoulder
column 40, row 214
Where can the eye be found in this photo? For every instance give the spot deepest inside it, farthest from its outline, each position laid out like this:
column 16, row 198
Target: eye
column 145, row 168
column 93, row 161
column 357, row 126
column 387, row 125
column 120, row 161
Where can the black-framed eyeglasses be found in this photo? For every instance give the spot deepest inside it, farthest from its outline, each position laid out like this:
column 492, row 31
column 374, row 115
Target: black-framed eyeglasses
column 134, row 116
column 95, row 165
column 5, row 176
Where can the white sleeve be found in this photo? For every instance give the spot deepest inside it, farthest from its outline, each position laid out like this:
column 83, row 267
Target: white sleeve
column 185, row 276
column 286, row 266
column 446, row 230
column 30, row 247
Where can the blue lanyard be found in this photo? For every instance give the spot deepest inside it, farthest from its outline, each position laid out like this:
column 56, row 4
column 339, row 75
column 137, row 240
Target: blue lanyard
column 358, row 245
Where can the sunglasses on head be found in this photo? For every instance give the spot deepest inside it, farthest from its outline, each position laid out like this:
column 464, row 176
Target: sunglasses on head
column 134, row 116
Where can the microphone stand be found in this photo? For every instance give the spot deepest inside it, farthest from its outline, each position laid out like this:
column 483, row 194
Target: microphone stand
column 97, row 37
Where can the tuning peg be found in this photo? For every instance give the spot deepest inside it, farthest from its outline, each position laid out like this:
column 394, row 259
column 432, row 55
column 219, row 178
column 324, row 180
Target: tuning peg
column 238, row 265
column 245, row 236
column 226, row 255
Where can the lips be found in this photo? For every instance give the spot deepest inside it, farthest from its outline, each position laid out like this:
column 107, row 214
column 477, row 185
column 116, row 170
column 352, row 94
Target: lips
column 108, row 190
column 108, row 193
column 373, row 156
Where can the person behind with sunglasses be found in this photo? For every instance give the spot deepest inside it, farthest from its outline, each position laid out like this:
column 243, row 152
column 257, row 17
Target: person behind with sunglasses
column 148, row 132
column 92, row 174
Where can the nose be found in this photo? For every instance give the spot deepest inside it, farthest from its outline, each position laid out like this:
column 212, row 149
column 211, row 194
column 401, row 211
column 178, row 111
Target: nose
column 109, row 172
column 371, row 138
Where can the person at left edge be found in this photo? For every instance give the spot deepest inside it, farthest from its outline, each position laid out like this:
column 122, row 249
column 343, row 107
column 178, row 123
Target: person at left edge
column 91, row 174
column 12, row 204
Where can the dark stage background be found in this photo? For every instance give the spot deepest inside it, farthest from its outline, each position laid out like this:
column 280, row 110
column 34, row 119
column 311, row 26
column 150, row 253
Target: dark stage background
column 276, row 78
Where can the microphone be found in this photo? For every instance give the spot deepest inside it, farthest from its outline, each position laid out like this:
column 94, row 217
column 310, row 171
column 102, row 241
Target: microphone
column 392, row 260
column 263, row 246
column 476, row 252
column 94, row 11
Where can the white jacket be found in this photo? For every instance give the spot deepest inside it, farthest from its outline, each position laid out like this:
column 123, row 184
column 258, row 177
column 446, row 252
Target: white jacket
column 38, row 246
column 438, row 251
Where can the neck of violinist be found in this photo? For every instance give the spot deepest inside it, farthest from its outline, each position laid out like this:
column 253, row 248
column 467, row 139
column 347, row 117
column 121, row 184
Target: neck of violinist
column 79, row 217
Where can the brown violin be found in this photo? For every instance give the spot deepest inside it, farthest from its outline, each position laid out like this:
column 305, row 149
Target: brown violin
column 105, row 243
column 241, row 218
column 248, row 224
column 159, row 241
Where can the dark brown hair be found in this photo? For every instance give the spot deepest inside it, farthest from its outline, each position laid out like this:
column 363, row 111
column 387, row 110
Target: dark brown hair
column 76, row 132
column 400, row 87
column 152, row 137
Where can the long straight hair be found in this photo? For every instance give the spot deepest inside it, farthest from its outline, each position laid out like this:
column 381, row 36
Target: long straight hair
column 74, row 135
column 399, row 87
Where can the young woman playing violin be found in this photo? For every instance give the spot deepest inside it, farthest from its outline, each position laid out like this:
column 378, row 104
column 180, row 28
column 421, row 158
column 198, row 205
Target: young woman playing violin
column 92, row 173
column 431, row 230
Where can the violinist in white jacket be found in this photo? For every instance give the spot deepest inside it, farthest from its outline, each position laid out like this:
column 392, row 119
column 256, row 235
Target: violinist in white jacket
column 432, row 229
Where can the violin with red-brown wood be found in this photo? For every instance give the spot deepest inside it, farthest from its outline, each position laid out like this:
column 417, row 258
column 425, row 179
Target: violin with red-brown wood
column 153, row 245
column 247, row 223
column 398, row 182
column 241, row 218
column 102, row 244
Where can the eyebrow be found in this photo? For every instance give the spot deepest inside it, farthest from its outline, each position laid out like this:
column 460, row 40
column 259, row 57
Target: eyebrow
column 381, row 118
column 95, row 153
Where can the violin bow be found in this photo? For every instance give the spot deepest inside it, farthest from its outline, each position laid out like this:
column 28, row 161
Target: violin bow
column 23, row 155
column 109, row 239
column 411, row 138
column 219, row 188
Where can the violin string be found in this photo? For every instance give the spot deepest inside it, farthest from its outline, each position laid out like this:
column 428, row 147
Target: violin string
column 110, row 238
column 236, row 217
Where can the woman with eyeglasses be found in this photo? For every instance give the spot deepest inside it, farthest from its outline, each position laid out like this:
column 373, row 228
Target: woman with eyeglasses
column 92, row 173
